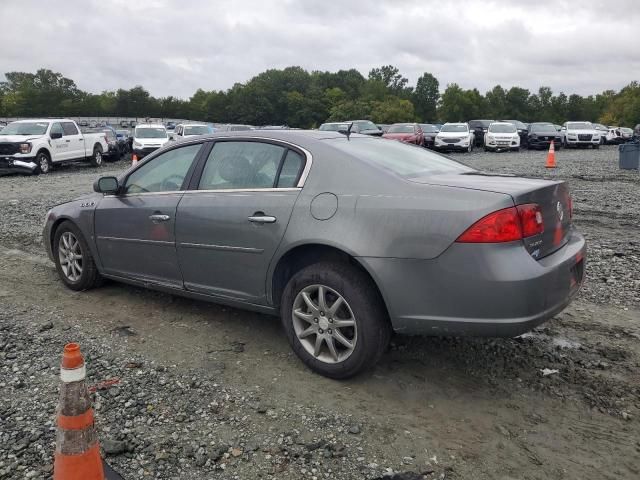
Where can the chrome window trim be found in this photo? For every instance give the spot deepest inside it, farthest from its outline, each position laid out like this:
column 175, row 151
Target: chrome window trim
column 244, row 190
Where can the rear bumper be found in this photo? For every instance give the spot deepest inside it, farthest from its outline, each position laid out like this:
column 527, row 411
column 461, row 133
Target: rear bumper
column 21, row 164
column 482, row 290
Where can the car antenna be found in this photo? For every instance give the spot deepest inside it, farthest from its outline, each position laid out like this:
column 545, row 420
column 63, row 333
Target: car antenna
column 346, row 132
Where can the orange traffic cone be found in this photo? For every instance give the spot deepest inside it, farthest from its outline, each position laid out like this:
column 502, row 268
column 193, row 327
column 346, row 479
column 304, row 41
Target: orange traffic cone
column 77, row 455
column 134, row 159
column 551, row 156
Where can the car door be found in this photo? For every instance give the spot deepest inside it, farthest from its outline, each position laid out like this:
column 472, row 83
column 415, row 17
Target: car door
column 135, row 229
column 74, row 139
column 60, row 146
column 230, row 223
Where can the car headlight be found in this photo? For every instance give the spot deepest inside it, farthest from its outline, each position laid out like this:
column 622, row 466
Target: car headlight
column 25, row 147
column 490, row 138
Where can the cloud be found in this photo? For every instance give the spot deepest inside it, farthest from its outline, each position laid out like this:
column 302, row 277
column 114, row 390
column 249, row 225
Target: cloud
column 174, row 48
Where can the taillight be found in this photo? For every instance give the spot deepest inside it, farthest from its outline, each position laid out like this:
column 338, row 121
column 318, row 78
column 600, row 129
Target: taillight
column 506, row 225
column 570, row 204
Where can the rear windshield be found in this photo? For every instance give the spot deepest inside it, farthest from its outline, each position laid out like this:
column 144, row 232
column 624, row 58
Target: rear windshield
column 405, row 160
column 333, row 127
column 542, row 129
column 400, row 129
column 150, row 132
column 454, row 128
column 502, row 128
column 25, row 128
column 196, row 130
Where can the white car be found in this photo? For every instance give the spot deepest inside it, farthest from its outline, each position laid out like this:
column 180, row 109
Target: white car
column 35, row 146
column 148, row 137
column 603, row 131
column 454, row 136
column 578, row 134
column 184, row 130
column 501, row 136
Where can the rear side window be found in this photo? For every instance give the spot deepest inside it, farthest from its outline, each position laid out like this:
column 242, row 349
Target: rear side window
column 291, row 168
column 402, row 159
column 69, row 128
column 241, row 165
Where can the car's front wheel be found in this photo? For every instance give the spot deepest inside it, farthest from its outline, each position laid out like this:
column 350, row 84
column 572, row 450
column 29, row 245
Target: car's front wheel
column 43, row 163
column 74, row 262
column 335, row 319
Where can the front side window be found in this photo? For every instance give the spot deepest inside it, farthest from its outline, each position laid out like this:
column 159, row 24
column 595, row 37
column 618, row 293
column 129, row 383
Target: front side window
column 165, row 173
column 56, row 128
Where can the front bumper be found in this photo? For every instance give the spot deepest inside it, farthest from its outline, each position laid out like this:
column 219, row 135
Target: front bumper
column 479, row 289
column 143, row 152
column 576, row 141
column 451, row 147
column 17, row 164
column 543, row 143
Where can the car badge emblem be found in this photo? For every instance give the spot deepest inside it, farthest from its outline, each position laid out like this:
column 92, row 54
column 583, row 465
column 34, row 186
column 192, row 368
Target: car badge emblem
column 560, row 211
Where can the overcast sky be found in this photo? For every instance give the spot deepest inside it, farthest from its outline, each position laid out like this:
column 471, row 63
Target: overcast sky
column 175, row 47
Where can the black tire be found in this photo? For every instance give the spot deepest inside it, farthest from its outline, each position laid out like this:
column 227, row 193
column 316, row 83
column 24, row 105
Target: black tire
column 372, row 323
column 595, row 147
column 515, row 149
column 43, row 163
column 90, row 277
column 97, row 158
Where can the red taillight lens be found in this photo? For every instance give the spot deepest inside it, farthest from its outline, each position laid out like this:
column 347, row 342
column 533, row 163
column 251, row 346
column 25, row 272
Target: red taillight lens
column 501, row 226
column 531, row 218
column 506, row 225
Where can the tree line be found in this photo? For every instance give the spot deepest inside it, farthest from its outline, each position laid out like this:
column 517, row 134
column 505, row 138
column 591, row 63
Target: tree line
column 298, row 98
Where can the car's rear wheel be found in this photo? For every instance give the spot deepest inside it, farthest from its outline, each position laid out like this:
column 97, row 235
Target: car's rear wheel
column 335, row 319
column 97, row 158
column 73, row 259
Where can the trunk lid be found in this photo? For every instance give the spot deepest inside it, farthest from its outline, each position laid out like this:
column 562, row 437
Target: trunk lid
column 552, row 197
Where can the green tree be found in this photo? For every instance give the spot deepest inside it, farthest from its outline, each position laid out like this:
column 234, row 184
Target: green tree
column 426, row 96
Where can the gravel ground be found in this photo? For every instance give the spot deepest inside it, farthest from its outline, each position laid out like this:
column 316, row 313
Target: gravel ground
column 211, row 392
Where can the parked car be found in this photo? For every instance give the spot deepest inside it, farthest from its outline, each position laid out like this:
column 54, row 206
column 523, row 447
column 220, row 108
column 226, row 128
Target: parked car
column 184, row 130
column 124, row 140
column 171, row 125
column 430, row 131
column 133, row 123
column 114, row 151
column 365, row 127
column 383, row 126
column 35, row 146
column 541, row 134
column 334, row 127
column 405, row 132
column 454, row 136
column 636, row 132
column 522, row 130
column 148, row 137
column 124, row 123
column 83, row 123
column 435, row 247
column 626, row 133
column 614, row 136
column 501, row 136
column 479, row 127
column 602, row 130
column 580, row 134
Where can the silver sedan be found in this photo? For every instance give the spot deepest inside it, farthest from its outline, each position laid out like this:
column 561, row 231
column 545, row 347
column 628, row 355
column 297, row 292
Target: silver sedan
column 346, row 238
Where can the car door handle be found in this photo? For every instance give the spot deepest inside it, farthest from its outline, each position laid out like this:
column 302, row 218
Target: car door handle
column 156, row 218
column 67, row 141
column 262, row 218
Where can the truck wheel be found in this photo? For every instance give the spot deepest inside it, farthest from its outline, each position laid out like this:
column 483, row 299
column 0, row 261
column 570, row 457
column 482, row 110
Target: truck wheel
column 335, row 320
column 43, row 163
column 96, row 159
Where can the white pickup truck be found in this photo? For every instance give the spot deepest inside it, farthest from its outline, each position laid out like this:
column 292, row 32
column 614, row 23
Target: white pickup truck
column 35, row 146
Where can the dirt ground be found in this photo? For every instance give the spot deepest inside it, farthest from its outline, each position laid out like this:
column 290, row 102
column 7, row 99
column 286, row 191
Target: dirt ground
column 445, row 407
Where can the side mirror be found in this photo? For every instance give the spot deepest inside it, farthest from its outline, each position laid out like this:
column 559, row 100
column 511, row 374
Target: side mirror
column 106, row 185
column 56, row 135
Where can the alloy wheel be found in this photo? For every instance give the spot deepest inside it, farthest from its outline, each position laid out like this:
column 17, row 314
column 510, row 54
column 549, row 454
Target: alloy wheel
column 324, row 324
column 70, row 256
column 98, row 157
column 43, row 164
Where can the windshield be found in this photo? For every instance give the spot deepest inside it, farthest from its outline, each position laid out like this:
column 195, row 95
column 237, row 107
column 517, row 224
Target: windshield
column 579, row 126
column 454, row 128
column 400, row 129
column 429, row 128
column 25, row 128
column 543, row 129
column 196, row 130
column 502, row 128
column 405, row 160
column 150, row 132
column 333, row 127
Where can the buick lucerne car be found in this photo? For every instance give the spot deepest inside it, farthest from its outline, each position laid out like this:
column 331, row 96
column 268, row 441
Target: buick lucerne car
column 347, row 238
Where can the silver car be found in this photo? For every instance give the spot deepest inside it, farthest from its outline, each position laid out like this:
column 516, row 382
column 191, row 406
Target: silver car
column 347, row 238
